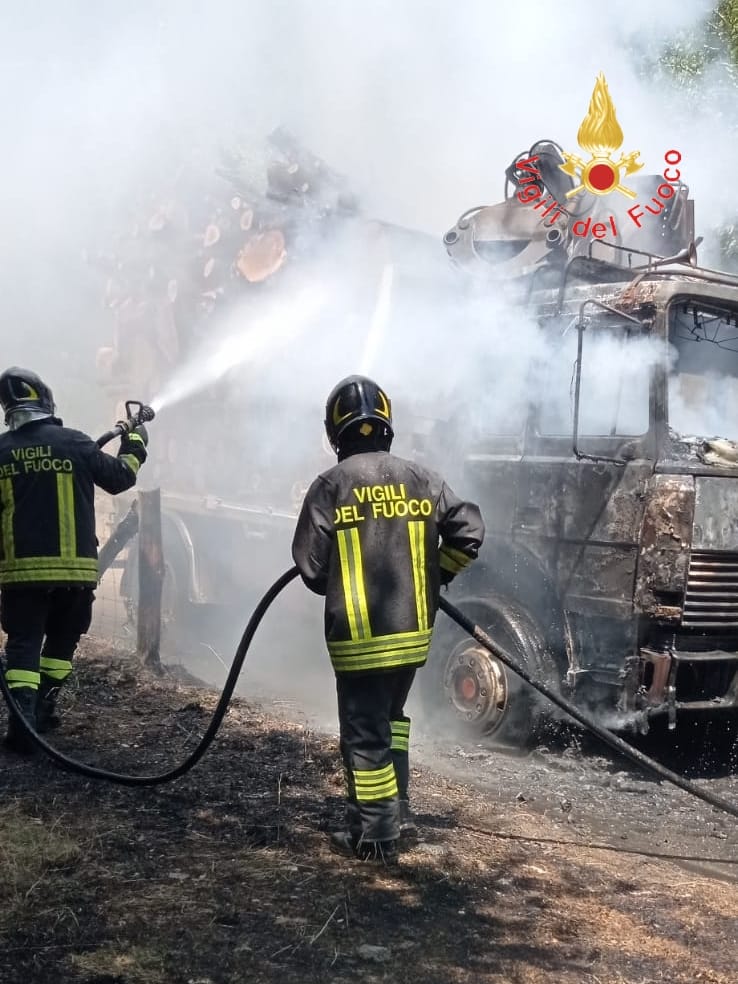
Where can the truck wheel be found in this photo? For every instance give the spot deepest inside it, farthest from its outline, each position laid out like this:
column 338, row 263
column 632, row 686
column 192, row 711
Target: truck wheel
column 467, row 686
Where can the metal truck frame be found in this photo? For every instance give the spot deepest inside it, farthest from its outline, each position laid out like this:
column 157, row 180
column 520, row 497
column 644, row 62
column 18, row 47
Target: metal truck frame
column 611, row 563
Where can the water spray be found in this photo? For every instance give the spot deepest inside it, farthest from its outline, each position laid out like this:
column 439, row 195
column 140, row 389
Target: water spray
column 380, row 317
column 264, row 336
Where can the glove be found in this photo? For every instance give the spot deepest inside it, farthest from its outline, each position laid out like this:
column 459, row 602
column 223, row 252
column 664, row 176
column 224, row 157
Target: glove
column 134, row 444
column 140, row 429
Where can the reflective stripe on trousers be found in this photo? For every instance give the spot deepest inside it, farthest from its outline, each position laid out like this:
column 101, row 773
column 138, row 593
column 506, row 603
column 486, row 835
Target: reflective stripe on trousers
column 400, row 754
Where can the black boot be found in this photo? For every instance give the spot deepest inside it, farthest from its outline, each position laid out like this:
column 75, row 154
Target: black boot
column 47, row 717
column 375, row 852
column 16, row 740
column 408, row 827
column 378, row 852
column 343, row 842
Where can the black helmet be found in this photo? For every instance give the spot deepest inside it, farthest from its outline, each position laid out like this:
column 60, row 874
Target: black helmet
column 354, row 399
column 21, row 389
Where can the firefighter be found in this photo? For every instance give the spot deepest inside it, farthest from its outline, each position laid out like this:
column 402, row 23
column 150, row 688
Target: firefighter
column 48, row 547
column 367, row 538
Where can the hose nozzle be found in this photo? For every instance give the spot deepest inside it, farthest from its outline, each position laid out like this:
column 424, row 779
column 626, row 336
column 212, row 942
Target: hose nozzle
column 138, row 413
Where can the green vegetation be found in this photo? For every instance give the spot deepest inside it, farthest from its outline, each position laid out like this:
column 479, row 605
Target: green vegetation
column 688, row 56
column 703, row 64
column 724, row 25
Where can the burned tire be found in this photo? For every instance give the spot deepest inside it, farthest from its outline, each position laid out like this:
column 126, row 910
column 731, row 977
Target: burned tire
column 465, row 686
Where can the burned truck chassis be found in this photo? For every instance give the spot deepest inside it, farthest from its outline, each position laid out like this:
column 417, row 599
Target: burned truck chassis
column 617, row 606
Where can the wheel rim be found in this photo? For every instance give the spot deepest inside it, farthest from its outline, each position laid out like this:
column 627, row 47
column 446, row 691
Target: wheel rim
column 475, row 686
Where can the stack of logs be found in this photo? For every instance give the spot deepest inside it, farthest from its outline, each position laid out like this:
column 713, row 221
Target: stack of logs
column 199, row 244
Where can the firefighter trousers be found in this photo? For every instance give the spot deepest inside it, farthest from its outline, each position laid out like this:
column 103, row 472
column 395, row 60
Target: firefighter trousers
column 374, row 734
column 43, row 627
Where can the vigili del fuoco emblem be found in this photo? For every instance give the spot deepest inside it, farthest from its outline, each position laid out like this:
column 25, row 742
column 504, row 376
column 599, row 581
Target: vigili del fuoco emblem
column 600, row 134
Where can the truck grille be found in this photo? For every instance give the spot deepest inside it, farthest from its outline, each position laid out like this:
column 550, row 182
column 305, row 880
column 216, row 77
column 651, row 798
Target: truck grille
column 711, row 600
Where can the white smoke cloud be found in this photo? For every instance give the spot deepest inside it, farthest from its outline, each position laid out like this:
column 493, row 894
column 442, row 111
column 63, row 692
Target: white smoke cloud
column 421, row 104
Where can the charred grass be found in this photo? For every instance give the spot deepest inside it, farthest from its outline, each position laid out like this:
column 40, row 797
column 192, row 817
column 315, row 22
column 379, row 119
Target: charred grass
column 225, row 877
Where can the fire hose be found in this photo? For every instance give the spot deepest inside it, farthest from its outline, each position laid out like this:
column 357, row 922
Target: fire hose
column 122, row 779
column 610, row 739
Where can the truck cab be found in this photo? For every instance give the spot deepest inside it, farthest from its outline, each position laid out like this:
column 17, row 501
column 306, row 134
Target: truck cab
column 610, row 492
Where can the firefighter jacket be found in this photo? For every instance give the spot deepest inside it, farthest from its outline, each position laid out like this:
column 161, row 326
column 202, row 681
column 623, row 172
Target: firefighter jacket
column 368, row 539
column 47, row 512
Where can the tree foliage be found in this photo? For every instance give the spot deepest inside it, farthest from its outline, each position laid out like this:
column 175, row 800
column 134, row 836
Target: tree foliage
column 724, row 23
column 691, row 54
column 703, row 64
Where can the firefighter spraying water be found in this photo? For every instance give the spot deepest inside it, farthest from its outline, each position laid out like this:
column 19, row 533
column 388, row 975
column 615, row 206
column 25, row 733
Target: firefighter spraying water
column 48, row 569
column 387, row 500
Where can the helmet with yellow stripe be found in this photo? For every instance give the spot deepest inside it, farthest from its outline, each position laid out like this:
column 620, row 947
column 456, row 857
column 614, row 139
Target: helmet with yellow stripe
column 23, row 390
column 357, row 400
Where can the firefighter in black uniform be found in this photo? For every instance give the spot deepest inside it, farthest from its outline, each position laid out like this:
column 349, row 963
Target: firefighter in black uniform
column 48, row 548
column 378, row 535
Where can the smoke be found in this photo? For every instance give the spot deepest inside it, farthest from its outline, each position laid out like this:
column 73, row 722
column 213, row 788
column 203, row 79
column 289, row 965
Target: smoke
column 421, row 105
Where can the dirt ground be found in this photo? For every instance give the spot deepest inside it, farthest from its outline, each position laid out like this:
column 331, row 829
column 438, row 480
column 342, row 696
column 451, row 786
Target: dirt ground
column 224, row 876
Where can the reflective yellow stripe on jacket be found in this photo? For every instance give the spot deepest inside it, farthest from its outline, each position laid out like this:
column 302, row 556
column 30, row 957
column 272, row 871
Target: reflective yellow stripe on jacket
column 352, row 576
column 66, row 566
column 26, row 570
column 8, row 504
column 67, row 526
column 364, row 651
column 416, row 532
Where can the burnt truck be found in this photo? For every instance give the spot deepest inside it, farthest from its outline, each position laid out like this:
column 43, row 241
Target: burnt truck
column 611, row 492
column 609, row 483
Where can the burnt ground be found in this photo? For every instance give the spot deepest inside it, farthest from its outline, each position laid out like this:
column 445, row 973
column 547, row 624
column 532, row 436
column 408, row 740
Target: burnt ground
column 543, row 867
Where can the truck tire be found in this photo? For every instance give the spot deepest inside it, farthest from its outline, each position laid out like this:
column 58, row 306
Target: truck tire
column 465, row 687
